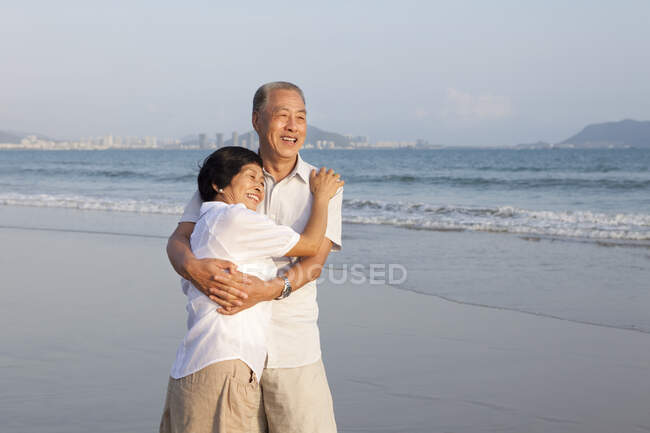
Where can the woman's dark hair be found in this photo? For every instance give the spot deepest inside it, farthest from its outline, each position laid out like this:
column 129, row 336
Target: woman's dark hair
column 221, row 166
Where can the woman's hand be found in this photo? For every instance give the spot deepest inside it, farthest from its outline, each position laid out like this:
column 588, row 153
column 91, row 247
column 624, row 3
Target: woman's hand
column 324, row 183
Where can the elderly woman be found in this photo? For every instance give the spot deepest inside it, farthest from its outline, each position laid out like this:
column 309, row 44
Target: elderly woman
column 214, row 383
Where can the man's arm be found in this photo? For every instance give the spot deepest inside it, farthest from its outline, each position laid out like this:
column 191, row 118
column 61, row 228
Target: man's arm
column 205, row 274
column 302, row 272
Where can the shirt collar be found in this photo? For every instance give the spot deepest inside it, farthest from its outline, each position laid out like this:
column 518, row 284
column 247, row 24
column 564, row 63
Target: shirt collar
column 302, row 169
column 207, row 205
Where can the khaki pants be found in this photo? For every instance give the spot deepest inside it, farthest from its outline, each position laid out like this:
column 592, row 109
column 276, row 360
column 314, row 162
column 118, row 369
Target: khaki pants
column 224, row 397
column 298, row 400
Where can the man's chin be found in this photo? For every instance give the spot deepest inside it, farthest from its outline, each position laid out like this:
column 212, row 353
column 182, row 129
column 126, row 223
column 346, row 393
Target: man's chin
column 290, row 151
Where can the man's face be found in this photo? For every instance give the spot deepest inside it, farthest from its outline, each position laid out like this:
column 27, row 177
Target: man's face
column 281, row 124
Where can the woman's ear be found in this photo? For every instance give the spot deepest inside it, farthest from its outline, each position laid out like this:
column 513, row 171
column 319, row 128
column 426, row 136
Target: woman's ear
column 216, row 188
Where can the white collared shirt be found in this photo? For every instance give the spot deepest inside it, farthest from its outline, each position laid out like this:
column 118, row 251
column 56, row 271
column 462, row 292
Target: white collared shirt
column 294, row 339
column 249, row 240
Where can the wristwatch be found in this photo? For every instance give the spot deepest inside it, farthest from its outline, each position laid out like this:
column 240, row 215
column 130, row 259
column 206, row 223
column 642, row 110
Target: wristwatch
column 286, row 290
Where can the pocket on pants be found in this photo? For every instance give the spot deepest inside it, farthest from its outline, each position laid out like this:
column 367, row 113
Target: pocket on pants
column 246, row 407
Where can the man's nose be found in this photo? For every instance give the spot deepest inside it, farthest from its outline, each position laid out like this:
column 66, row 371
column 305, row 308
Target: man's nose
column 292, row 125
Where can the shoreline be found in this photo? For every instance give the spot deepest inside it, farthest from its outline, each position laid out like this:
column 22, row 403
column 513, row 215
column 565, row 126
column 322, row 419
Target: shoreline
column 401, row 289
column 581, row 282
column 14, row 208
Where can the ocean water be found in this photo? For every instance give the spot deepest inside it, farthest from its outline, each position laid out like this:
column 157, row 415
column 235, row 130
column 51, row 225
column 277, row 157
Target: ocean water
column 583, row 194
column 563, row 233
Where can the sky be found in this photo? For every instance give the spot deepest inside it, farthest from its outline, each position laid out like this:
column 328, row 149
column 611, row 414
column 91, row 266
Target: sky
column 457, row 72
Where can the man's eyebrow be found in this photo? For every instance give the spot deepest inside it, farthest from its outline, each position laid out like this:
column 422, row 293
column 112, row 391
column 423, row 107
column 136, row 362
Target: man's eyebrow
column 288, row 109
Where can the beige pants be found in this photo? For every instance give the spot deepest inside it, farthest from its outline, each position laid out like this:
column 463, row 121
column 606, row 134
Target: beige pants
column 298, row 400
column 224, row 397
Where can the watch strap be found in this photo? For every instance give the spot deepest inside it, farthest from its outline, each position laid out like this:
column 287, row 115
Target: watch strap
column 286, row 290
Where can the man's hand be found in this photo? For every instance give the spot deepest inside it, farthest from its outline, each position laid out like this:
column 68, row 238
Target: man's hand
column 258, row 291
column 204, row 273
column 219, row 280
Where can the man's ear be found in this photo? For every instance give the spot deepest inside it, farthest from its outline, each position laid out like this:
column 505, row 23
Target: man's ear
column 255, row 120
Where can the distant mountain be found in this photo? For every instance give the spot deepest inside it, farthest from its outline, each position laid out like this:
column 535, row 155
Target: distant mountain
column 626, row 133
column 9, row 137
column 14, row 137
column 314, row 135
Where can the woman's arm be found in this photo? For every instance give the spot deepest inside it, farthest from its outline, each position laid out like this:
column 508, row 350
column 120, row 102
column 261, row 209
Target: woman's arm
column 323, row 185
column 314, row 232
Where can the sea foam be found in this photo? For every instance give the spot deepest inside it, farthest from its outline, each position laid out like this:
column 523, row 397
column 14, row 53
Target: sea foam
column 90, row 203
column 423, row 216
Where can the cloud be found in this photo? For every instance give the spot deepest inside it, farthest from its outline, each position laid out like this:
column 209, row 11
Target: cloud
column 466, row 106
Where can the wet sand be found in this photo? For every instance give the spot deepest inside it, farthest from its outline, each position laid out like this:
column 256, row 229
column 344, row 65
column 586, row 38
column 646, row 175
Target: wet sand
column 91, row 323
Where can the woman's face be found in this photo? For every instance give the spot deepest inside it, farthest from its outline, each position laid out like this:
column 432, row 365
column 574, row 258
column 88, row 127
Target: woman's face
column 247, row 187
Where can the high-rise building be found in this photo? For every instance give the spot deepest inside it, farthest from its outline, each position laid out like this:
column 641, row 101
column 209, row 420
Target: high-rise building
column 203, row 144
column 151, row 141
column 251, row 141
column 219, row 140
column 235, row 138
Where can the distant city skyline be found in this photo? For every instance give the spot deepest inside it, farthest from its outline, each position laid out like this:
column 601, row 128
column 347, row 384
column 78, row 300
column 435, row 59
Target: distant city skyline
column 202, row 140
column 628, row 133
column 461, row 73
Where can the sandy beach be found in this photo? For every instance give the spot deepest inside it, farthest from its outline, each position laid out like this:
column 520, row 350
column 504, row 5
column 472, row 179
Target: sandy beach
column 494, row 220
column 91, row 323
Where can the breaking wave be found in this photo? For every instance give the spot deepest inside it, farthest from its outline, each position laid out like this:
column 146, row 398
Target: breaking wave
column 506, row 219
column 421, row 216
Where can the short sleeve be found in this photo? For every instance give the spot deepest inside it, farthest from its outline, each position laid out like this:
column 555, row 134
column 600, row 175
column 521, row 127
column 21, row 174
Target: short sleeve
column 333, row 231
column 247, row 235
column 192, row 210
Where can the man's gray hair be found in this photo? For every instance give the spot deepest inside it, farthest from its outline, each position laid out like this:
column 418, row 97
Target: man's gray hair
column 262, row 94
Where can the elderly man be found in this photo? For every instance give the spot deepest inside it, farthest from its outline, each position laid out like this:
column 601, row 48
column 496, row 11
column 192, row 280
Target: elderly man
column 296, row 394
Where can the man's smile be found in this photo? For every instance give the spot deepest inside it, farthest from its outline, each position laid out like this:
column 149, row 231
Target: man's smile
column 288, row 139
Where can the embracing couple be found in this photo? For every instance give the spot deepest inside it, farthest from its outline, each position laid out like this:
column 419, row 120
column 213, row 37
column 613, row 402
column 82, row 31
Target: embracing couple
column 249, row 246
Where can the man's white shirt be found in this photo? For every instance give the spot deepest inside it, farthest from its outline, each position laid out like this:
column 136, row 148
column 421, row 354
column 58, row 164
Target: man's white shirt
column 293, row 337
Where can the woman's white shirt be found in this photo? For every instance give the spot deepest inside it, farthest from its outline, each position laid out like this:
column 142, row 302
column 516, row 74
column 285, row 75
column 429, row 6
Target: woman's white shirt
column 248, row 239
